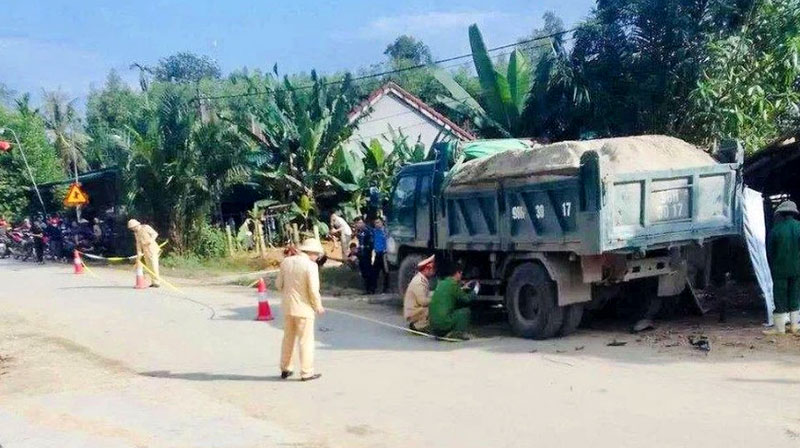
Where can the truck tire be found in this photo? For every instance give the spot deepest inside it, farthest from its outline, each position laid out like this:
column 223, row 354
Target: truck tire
column 573, row 315
column 532, row 303
column 407, row 271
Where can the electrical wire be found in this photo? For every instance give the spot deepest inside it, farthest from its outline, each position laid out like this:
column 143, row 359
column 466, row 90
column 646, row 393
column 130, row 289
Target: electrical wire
column 394, row 71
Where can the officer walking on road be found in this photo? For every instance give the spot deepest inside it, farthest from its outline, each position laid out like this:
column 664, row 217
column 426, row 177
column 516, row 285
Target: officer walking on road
column 298, row 282
column 147, row 247
column 783, row 250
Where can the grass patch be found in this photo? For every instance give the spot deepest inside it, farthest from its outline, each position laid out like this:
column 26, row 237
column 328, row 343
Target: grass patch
column 190, row 266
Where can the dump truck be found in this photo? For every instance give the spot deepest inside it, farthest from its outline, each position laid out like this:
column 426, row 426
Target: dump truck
column 550, row 230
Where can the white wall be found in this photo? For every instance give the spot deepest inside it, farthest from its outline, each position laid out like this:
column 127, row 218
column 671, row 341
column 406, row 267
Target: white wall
column 390, row 110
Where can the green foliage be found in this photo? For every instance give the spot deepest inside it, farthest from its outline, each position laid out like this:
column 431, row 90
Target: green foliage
column 630, row 70
column 15, row 183
column 503, row 95
column 208, row 241
column 299, row 131
column 63, row 123
column 178, row 167
column 110, row 112
column 749, row 86
column 185, row 67
column 407, row 48
column 375, row 166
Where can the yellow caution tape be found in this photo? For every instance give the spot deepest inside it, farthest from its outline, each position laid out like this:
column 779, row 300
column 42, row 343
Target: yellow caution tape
column 89, row 270
column 160, row 279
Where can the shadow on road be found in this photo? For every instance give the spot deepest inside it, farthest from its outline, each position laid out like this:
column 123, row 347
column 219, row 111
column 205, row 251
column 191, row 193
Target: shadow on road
column 203, row 376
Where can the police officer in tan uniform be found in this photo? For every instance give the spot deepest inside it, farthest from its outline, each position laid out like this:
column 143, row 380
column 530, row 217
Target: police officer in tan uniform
column 418, row 296
column 147, row 247
column 298, row 282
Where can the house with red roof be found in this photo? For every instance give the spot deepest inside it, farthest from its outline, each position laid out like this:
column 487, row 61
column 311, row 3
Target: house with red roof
column 390, row 106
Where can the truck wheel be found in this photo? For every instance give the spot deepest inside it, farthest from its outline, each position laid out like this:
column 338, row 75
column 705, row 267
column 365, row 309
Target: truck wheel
column 407, row 271
column 532, row 303
column 573, row 314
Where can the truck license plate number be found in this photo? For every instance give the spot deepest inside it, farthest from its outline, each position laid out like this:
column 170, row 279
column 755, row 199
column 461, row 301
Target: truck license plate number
column 670, row 205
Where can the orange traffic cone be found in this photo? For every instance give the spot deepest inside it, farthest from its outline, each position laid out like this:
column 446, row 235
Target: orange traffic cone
column 77, row 263
column 264, row 312
column 140, row 282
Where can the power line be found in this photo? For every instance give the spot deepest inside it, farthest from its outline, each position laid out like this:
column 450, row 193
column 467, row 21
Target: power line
column 414, row 111
column 395, row 71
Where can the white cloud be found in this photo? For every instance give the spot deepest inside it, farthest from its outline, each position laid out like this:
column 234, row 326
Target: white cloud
column 426, row 23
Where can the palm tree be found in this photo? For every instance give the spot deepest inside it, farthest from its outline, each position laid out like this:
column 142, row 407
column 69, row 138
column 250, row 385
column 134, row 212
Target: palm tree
column 178, row 168
column 64, row 129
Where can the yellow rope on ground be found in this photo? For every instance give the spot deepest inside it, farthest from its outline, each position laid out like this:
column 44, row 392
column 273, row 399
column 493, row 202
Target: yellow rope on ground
column 89, row 270
column 397, row 327
column 160, row 279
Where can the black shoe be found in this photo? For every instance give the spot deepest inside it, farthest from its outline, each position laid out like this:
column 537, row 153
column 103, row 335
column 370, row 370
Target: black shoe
column 312, row 377
column 155, row 286
column 286, row 374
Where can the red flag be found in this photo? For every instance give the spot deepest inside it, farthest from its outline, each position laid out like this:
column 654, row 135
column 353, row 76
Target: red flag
column 5, row 146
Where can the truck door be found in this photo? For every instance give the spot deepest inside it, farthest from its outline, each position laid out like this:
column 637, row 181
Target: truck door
column 402, row 216
column 424, row 210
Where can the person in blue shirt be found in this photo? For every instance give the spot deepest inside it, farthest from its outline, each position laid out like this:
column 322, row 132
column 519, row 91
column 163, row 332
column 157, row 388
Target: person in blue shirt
column 379, row 264
column 365, row 237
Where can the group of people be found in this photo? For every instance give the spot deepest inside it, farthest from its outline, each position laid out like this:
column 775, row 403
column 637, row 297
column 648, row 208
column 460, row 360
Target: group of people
column 58, row 234
column 367, row 252
column 443, row 311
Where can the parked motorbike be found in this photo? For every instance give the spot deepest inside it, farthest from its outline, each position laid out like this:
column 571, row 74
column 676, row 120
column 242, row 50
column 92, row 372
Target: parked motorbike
column 21, row 246
column 5, row 242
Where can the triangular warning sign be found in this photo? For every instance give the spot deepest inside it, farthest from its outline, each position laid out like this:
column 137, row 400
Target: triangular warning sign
column 76, row 196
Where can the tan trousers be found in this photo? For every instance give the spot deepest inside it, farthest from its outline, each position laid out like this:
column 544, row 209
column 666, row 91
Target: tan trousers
column 151, row 258
column 298, row 330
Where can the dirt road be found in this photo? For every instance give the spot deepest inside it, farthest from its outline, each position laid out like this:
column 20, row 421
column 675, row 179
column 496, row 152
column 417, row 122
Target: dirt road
column 91, row 362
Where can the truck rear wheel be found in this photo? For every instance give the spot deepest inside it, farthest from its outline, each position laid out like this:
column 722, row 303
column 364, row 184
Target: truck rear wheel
column 407, row 271
column 532, row 303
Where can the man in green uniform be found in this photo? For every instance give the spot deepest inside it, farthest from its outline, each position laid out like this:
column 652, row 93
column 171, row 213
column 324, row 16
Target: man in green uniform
column 449, row 312
column 783, row 250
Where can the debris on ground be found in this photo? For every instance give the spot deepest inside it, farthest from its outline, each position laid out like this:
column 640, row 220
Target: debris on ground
column 643, row 325
column 700, row 343
column 579, row 348
column 616, row 343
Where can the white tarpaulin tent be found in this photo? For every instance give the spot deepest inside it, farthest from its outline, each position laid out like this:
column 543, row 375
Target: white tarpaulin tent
column 755, row 234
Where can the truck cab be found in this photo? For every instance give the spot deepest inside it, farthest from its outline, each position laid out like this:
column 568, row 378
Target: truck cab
column 410, row 212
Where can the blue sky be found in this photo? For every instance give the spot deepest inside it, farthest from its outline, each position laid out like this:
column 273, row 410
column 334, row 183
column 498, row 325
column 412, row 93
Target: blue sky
column 72, row 44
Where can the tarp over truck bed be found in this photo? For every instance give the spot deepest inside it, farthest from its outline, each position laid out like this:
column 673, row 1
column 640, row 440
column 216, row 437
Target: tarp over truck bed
column 617, row 155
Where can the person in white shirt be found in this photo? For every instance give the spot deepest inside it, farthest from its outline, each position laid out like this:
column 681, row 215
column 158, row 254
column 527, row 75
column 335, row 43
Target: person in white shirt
column 341, row 229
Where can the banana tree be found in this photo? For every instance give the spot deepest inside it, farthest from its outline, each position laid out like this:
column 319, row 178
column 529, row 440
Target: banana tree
column 373, row 165
column 299, row 132
column 498, row 112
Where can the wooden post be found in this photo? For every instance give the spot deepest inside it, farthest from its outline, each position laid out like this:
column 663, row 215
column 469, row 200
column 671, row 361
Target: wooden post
column 295, row 234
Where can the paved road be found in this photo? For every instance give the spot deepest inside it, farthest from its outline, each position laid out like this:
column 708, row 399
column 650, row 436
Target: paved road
column 96, row 363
